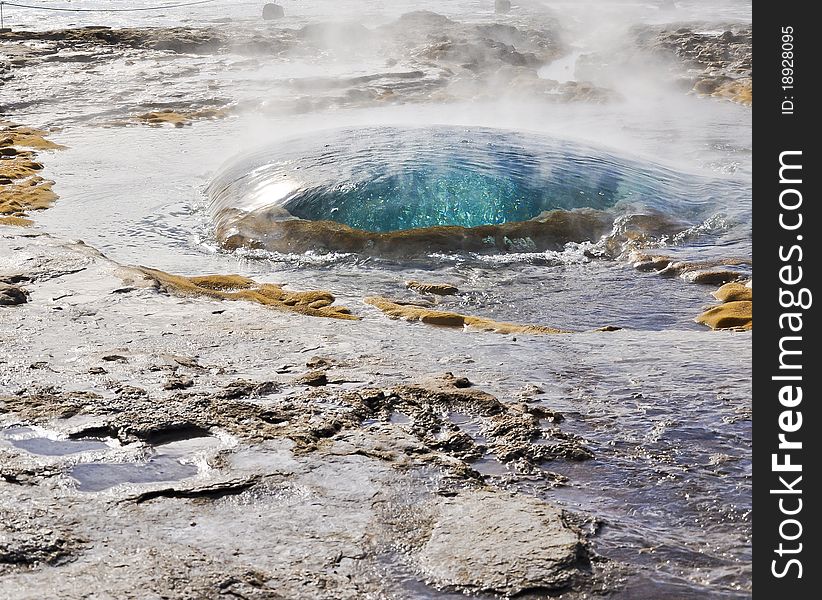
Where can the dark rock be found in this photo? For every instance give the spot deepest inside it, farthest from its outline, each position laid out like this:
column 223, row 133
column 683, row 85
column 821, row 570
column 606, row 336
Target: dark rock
column 439, row 289
column 313, row 379
column 458, row 382
column 130, row 392
column 185, row 361
column 273, row 11
column 211, row 491
column 115, row 358
column 652, row 263
column 247, row 389
column 178, row 383
column 11, row 295
column 712, row 277
column 462, row 382
column 316, row 363
column 458, row 444
column 544, row 413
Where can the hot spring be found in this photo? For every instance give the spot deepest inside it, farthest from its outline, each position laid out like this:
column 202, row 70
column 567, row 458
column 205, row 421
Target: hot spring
column 564, row 164
column 440, row 188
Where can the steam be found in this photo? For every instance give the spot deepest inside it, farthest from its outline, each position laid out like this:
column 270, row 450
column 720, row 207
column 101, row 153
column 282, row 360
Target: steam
column 440, row 68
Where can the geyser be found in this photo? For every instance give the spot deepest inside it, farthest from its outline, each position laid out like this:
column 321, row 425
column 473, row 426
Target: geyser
column 441, row 181
column 411, row 190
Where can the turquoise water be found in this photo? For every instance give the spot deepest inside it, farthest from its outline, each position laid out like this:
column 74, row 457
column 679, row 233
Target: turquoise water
column 399, row 178
column 458, row 177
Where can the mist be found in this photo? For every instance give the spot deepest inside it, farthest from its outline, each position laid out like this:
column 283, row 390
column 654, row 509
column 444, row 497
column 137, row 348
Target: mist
column 543, row 67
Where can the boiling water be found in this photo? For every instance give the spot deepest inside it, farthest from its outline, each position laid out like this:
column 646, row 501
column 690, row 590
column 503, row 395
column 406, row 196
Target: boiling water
column 393, row 179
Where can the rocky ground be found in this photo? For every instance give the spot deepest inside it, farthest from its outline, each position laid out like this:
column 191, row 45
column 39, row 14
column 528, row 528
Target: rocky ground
column 156, row 447
column 719, row 64
column 705, row 59
column 420, row 57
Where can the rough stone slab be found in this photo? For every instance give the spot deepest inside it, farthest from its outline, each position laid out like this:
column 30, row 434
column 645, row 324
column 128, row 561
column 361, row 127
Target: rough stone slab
column 491, row 541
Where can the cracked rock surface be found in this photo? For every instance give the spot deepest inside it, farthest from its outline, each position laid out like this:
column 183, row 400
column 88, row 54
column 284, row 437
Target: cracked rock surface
column 168, row 456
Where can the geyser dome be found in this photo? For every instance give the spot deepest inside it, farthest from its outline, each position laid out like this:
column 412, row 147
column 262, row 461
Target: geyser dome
column 422, row 178
column 390, row 189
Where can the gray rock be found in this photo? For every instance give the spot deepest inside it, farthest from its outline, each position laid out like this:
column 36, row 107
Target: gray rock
column 439, row 289
column 272, row 11
column 485, row 541
column 502, row 6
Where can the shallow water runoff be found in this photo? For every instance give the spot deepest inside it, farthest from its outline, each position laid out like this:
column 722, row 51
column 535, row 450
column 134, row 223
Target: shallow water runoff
column 581, row 166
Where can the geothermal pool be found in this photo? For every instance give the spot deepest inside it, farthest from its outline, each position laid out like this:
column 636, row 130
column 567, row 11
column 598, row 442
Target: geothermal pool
column 395, row 179
column 414, row 150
